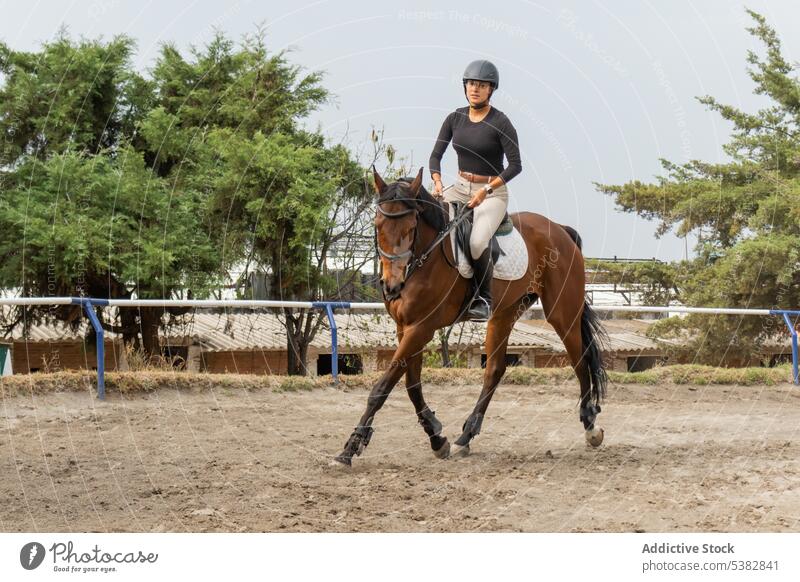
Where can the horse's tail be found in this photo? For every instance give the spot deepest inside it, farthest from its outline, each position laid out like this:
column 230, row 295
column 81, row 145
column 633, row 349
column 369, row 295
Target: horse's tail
column 573, row 234
column 593, row 336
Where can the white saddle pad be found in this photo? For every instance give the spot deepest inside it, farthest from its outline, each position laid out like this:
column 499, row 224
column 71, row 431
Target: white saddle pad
column 510, row 266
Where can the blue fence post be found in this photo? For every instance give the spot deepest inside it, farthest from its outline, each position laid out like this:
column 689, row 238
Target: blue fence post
column 793, row 331
column 88, row 306
column 329, row 306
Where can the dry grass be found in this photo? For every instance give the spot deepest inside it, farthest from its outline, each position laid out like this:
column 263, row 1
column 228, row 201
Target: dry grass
column 139, row 361
column 148, row 380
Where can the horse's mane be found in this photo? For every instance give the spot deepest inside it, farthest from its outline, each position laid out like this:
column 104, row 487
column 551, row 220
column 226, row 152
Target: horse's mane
column 432, row 210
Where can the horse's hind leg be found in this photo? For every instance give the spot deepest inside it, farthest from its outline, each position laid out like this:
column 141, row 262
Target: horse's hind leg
column 498, row 330
column 569, row 330
column 426, row 416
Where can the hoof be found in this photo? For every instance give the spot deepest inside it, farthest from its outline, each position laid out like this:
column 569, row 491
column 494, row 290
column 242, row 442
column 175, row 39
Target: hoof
column 444, row 451
column 341, row 461
column 460, row 451
column 594, row 437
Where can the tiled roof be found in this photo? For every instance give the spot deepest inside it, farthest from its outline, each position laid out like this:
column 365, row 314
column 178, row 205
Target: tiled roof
column 246, row 330
column 261, row 330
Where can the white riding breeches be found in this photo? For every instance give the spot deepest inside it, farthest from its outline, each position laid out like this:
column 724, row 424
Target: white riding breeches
column 487, row 215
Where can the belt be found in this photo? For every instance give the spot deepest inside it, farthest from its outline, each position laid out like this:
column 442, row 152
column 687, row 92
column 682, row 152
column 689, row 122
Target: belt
column 470, row 177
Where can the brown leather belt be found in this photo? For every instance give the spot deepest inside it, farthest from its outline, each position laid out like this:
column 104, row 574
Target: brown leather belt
column 470, row 177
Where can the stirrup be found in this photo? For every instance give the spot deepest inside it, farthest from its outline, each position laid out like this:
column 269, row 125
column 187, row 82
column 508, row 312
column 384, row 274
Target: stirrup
column 480, row 310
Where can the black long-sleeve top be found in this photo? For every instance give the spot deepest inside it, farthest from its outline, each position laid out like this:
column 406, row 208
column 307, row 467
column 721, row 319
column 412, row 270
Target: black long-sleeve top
column 480, row 146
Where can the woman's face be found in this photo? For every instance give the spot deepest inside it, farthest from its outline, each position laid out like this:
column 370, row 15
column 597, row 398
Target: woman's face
column 478, row 91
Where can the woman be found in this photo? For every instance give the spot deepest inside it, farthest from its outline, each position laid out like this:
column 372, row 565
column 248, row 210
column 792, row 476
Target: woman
column 481, row 135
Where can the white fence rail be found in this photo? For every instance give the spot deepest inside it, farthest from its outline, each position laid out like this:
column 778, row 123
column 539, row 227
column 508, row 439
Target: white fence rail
column 89, row 304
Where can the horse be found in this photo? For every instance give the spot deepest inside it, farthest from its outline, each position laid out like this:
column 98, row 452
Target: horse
column 424, row 292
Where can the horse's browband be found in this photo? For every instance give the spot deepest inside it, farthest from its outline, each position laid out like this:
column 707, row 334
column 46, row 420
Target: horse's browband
column 395, row 214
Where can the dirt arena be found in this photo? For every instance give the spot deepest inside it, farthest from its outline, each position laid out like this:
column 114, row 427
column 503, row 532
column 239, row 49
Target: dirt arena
column 675, row 458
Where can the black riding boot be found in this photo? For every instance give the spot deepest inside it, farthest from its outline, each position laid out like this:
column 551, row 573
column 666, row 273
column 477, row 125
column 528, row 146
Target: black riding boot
column 481, row 308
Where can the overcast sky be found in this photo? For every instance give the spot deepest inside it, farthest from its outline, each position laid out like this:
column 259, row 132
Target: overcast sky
column 598, row 91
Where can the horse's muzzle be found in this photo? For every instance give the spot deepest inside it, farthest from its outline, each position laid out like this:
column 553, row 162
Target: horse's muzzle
column 393, row 292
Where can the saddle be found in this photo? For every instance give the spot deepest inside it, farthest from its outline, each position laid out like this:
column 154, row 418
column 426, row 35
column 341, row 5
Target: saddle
column 464, row 230
column 508, row 248
column 462, row 235
column 506, row 242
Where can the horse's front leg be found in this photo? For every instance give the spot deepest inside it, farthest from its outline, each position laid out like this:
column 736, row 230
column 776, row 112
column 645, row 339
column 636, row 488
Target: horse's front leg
column 413, row 343
column 426, row 416
column 362, row 434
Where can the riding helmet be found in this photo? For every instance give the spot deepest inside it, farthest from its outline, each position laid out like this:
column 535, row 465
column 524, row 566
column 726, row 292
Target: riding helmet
column 482, row 70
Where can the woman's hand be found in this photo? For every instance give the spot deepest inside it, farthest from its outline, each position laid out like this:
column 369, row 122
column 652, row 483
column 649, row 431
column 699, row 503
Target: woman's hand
column 478, row 198
column 437, row 189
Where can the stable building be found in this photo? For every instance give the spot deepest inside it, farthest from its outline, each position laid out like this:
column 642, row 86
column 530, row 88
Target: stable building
column 246, row 341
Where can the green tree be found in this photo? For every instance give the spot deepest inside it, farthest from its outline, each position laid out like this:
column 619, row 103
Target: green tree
column 115, row 185
column 746, row 212
column 81, row 212
column 80, row 96
column 228, row 122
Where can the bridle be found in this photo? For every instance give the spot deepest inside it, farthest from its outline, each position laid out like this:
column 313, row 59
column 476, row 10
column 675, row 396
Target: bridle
column 400, row 214
column 416, row 262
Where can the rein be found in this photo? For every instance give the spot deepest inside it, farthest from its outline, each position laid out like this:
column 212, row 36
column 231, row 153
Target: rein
column 418, row 262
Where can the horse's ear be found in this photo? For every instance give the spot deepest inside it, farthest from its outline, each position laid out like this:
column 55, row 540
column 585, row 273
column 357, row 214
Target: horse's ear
column 417, row 183
column 380, row 185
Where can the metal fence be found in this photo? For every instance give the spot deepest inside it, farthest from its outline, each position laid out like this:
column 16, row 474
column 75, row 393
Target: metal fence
column 89, row 304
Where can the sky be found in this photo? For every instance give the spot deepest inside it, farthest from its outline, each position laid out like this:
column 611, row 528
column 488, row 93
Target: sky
column 598, row 91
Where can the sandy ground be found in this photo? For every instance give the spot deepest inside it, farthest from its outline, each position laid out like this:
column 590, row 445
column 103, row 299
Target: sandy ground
column 675, row 458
